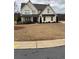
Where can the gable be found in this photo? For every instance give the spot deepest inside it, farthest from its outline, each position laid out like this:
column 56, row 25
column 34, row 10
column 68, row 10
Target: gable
column 31, row 6
column 38, row 8
column 23, row 4
column 48, row 10
column 25, row 9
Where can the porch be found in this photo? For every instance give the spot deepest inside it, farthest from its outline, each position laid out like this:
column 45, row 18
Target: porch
column 48, row 18
column 29, row 18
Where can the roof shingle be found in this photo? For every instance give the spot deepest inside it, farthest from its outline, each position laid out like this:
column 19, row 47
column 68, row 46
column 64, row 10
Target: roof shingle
column 37, row 6
column 40, row 6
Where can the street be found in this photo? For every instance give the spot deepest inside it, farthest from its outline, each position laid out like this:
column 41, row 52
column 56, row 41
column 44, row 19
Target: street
column 42, row 53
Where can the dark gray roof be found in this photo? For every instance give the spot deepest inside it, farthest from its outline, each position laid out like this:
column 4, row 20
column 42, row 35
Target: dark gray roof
column 29, row 15
column 48, row 15
column 37, row 6
column 40, row 6
column 23, row 4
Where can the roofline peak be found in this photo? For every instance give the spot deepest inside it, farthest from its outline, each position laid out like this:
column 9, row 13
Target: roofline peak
column 48, row 4
column 29, row 1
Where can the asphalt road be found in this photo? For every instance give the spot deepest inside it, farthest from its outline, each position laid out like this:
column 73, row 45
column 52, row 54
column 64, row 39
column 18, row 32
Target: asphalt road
column 45, row 53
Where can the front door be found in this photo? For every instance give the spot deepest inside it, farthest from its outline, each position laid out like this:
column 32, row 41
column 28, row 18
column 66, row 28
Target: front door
column 40, row 20
column 35, row 20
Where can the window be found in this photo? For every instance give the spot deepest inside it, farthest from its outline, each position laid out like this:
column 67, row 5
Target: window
column 44, row 18
column 27, row 12
column 51, row 18
column 28, row 18
column 47, row 10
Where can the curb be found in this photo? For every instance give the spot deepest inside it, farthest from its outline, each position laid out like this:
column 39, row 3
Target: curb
column 38, row 44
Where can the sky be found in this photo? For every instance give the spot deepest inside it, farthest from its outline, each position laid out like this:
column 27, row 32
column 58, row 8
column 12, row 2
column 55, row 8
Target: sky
column 57, row 5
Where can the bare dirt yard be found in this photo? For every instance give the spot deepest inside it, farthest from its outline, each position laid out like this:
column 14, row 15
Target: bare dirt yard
column 32, row 32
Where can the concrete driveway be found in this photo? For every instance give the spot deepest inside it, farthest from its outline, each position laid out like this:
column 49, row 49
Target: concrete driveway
column 43, row 53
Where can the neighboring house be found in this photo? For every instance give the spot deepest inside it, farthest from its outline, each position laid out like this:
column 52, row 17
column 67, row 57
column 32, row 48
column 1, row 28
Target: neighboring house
column 37, row 13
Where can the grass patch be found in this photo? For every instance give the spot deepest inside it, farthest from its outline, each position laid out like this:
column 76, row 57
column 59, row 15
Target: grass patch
column 32, row 32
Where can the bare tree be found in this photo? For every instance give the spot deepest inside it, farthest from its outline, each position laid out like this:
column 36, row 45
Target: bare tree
column 15, row 7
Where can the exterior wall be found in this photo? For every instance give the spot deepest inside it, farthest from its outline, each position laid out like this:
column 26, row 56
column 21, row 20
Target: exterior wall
column 31, row 19
column 54, row 18
column 46, row 11
column 48, row 19
column 22, row 19
column 25, row 19
column 34, row 10
column 38, row 19
column 29, row 7
column 25, row 8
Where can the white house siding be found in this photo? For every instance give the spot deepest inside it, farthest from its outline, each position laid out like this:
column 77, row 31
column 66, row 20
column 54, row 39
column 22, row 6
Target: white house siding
column 54, row 19
column 31, row 19
column 22, row 19
column 46, row 11
column 25, row 8
column 34, row 10
column 48, row 18
column 39, row 19
column 29, row 7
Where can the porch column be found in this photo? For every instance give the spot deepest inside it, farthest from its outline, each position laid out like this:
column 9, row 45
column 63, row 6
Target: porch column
column 54, row 18
column 22, row 19
column 31, row 19
column 38, row 19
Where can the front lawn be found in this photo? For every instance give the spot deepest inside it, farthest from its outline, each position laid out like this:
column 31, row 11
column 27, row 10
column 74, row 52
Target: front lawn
column 33, row 32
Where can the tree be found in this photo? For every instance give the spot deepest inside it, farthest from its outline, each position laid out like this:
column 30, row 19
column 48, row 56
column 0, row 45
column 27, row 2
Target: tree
column 16, row 7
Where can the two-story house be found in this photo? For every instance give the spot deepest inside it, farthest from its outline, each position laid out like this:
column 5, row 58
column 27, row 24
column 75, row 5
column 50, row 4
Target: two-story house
column 37, row 13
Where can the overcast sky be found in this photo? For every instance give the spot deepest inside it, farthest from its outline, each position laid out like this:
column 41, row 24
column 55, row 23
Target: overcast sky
column 57, row 5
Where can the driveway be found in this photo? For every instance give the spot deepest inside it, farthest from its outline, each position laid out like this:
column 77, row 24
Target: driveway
column 45, row 53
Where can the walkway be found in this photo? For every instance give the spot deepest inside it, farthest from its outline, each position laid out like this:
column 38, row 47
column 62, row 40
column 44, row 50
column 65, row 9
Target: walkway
column 38, row 44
